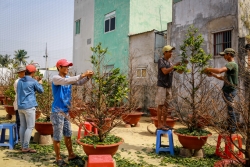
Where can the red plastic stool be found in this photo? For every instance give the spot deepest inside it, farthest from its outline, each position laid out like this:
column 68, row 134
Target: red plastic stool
column 100, row 161
column 229, row 146
column 88, row 128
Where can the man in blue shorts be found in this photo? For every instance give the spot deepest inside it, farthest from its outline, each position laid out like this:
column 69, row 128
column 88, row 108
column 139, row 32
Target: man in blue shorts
column 61, row 89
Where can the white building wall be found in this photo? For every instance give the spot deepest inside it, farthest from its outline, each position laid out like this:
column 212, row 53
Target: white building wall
column 83, row 10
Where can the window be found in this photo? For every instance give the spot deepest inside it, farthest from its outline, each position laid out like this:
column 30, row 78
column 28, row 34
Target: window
column 109, row 22
column 141, row 72
column 222, row 40
column 78, row 26
column 108, row 70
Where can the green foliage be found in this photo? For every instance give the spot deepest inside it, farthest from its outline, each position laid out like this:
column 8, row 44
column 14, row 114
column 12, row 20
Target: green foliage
column 113, row 87
column 5, row 60
column 193, row 60
column 207, row 161
column 193, row 132
column 192, row 51
column 10, row 91
column 45, row 100
column 94, row 140
column 20, row 57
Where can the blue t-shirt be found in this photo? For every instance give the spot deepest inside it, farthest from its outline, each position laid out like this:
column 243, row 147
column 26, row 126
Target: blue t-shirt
column 61, row 90
column 62, row 97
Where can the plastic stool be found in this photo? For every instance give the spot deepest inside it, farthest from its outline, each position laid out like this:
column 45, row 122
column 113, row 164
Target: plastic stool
column 159, row 146
column 12, row 133
column 229, row 146
column 100, row 161
column 88, row 126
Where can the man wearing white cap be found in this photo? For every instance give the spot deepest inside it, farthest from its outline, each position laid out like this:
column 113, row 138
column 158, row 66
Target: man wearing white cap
column 21, row 73
column 164, row 84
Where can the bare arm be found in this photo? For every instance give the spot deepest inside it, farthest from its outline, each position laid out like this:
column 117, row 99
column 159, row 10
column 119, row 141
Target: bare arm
column 217, row 76
column 168, row 70
column 217, row 70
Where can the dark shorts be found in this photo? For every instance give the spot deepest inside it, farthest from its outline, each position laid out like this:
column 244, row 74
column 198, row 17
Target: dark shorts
column 61, row 126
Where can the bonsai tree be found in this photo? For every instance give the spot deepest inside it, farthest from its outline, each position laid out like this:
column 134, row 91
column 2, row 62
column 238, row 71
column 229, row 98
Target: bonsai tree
column 195, row 95
column 108, row 88
column 135, row 88
column 44, row 101
column 10, row 92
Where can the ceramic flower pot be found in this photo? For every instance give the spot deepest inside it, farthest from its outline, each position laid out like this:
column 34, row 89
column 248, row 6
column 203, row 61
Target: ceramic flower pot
column 132, row 118
column 192, row 142
column 44, row 128
column 170, row 121
column 153, row 111
column 10, row 109
column 100, row 149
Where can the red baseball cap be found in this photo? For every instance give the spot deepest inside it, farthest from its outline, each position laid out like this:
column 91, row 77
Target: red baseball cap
column 31, row 68
column 63, row 62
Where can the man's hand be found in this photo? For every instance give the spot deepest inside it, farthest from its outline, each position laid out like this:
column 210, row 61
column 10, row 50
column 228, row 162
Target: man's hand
column 206, row 70
column 177, row 64
column 40, row 82
column 88, row 74
column 185, row 61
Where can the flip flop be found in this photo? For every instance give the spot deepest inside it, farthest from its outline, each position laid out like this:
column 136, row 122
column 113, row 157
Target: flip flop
column 75, row 158
column 60, row 162
column 29, row 151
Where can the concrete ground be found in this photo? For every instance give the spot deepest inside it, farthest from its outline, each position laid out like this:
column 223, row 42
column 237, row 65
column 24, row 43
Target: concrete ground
column 137, row 140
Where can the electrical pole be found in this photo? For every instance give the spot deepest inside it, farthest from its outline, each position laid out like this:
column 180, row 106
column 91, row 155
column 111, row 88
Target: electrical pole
column 46, row 62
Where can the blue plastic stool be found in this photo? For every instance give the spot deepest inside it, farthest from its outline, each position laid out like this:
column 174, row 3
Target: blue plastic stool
column 12, row 133
column 159, row 146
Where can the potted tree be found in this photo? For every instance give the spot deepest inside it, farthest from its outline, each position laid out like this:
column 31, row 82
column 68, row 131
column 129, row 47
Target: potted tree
column 9, row 94
column 107, row 89
column 44, row 101
column 194, row 99
column 132, row 114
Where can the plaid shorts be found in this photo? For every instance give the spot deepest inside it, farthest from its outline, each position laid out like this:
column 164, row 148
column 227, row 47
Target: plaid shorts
column 163, row 95
column 61, row 126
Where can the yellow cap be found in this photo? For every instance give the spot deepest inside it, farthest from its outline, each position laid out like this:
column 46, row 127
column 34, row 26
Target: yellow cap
column 167, row 48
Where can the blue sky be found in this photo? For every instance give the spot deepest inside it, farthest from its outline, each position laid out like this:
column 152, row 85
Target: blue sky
column 29, row 24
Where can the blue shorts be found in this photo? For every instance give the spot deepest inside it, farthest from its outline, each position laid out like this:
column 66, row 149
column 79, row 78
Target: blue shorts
column 61, row 126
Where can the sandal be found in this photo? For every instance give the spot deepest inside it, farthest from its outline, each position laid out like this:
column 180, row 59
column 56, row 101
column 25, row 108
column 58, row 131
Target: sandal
column 60, row 162
column 75, row 158
column 29, row 151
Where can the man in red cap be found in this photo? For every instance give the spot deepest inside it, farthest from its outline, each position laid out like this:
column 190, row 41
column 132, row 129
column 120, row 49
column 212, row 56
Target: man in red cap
column 26, row 101
column 61, row 89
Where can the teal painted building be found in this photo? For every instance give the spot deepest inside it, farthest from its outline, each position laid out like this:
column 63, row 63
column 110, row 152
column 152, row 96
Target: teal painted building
column 116, row 20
